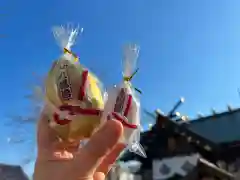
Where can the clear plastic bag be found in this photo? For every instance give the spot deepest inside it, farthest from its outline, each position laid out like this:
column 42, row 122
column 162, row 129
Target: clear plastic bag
column 73, row 95
column 123, row 105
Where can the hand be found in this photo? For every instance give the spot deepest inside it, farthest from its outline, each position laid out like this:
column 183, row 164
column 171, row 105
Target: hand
column 63, row 161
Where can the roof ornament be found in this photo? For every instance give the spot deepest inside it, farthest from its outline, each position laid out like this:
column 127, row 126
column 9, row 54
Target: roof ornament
column 184, row 118
column 172, row 113
column 229, row 108
column 150, row 126
column 177, row 114
column 158, row 111
column 200, row 115
column 213, row 111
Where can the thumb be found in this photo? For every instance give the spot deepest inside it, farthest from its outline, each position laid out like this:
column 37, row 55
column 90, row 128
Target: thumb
column 100, row 145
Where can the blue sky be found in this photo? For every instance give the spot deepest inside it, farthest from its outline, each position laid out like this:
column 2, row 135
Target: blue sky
column 189, row 48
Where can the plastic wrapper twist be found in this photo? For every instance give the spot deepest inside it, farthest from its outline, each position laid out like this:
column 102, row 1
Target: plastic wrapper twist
column 123, row 104
column 73, row 95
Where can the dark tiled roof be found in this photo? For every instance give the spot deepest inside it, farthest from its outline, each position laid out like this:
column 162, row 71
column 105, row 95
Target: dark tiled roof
column 212, row 127
column 183, row 130
column 154, row 141
column 203, row 133
column 216, row 116
column 12, row 172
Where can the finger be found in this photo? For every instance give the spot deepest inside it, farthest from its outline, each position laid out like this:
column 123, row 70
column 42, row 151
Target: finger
column 45, row 135
column 110, row 159
column 101, row 143
column 99, row 176
column 48, row 140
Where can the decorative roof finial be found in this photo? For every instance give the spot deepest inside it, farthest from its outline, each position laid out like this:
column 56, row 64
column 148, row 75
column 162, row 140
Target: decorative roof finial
column 229, row 108
column 178, row 114
column 158, row 111
column 182, row 99
column 213, row 111
column 150, row 126
column 172, row 113
column 184, row 118
column 199, row 115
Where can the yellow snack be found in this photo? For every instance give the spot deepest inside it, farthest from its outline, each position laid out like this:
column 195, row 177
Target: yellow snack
column 73, row 94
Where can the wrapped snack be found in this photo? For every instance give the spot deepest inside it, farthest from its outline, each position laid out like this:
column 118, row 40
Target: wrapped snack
column 123, row 105
column 74, row 98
